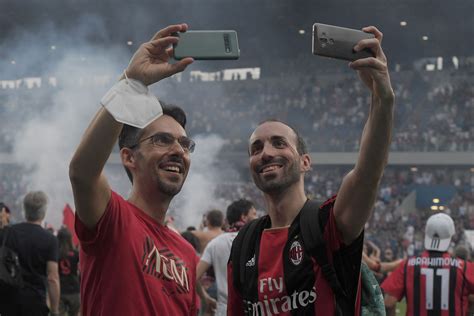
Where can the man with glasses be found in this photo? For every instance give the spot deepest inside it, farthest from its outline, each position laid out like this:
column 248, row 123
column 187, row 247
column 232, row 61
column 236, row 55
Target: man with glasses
column 131, row 263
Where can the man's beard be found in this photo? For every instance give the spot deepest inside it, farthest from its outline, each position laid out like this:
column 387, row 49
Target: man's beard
column 170, row 189
column 278, row 184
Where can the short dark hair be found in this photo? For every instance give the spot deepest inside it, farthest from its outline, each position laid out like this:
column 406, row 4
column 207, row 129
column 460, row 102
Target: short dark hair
column 65, row 241
column 462, row 252
column 130, row 135
column 215, row 218
column 236, row 209
column 300, row 143
column 191, row 239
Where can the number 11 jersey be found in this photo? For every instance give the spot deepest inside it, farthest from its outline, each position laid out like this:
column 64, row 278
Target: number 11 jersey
column 433, row 283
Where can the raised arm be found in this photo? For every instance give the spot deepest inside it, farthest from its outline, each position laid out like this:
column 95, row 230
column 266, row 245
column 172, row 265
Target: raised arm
column 359, row 187
column 375, row 250
column 149, row 64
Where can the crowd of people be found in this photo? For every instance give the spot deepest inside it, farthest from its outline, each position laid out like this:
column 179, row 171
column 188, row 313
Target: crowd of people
column 431, row 114
column 320, row 231
column 386, row 227
column 389, row 238
column 435, row 110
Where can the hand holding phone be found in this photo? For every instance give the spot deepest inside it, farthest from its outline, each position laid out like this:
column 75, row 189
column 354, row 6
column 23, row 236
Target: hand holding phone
column 338, row 42
column 207, row 45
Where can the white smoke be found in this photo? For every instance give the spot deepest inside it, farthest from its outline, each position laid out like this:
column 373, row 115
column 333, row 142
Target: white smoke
column 46, row 143
column 197, row 195
column 82, row 72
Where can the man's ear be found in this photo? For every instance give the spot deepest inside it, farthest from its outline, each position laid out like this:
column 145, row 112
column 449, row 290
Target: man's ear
column 305, row 162
column 127, row 156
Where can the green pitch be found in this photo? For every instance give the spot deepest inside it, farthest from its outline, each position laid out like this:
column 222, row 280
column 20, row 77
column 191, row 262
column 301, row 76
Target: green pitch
column 401, row 308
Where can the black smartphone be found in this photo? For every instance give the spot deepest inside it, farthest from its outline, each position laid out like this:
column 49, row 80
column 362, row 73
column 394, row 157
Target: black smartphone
column 207, row 45
column 338, row 42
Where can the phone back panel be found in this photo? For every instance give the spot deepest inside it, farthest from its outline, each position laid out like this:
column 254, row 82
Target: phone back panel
column 207, row 45
column 338, row 42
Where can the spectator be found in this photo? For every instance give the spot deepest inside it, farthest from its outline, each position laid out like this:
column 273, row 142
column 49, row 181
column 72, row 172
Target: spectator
column 191, row 239
column 37, row 250
column 213, row 222
column 463, row 252
column 216, row 254
column 205, row 303
column 431, row 282
column 4, row 215
column 68, row 274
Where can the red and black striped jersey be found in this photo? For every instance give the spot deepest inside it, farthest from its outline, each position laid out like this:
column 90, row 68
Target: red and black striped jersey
column 273, row 293
column 434, row 284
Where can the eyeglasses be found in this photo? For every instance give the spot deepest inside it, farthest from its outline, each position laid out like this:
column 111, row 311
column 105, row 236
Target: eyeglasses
column 162, row 139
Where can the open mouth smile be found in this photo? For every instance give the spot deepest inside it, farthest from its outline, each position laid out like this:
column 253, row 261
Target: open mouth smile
column 172, row 167
column 269, row 168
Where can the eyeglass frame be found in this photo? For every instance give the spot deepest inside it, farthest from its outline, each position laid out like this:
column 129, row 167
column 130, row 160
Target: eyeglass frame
column 190, row 150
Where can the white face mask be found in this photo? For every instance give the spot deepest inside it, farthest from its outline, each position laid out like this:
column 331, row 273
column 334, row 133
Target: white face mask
column 130, row 102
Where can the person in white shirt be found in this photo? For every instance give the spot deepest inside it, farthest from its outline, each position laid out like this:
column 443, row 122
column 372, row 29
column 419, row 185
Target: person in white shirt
column 217, row 251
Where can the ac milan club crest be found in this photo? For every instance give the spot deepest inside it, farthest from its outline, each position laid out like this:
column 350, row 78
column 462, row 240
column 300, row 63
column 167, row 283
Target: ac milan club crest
column 296, row 253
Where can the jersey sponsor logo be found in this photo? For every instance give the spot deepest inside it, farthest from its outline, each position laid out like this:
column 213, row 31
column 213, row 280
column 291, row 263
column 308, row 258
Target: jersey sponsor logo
column 270, row 284
column 163, row 264
column 296, row 253
column 275, row 305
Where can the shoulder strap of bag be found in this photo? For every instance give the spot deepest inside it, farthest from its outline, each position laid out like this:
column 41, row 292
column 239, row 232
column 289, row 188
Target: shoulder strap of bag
column 240, row 251
column 313, row 239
